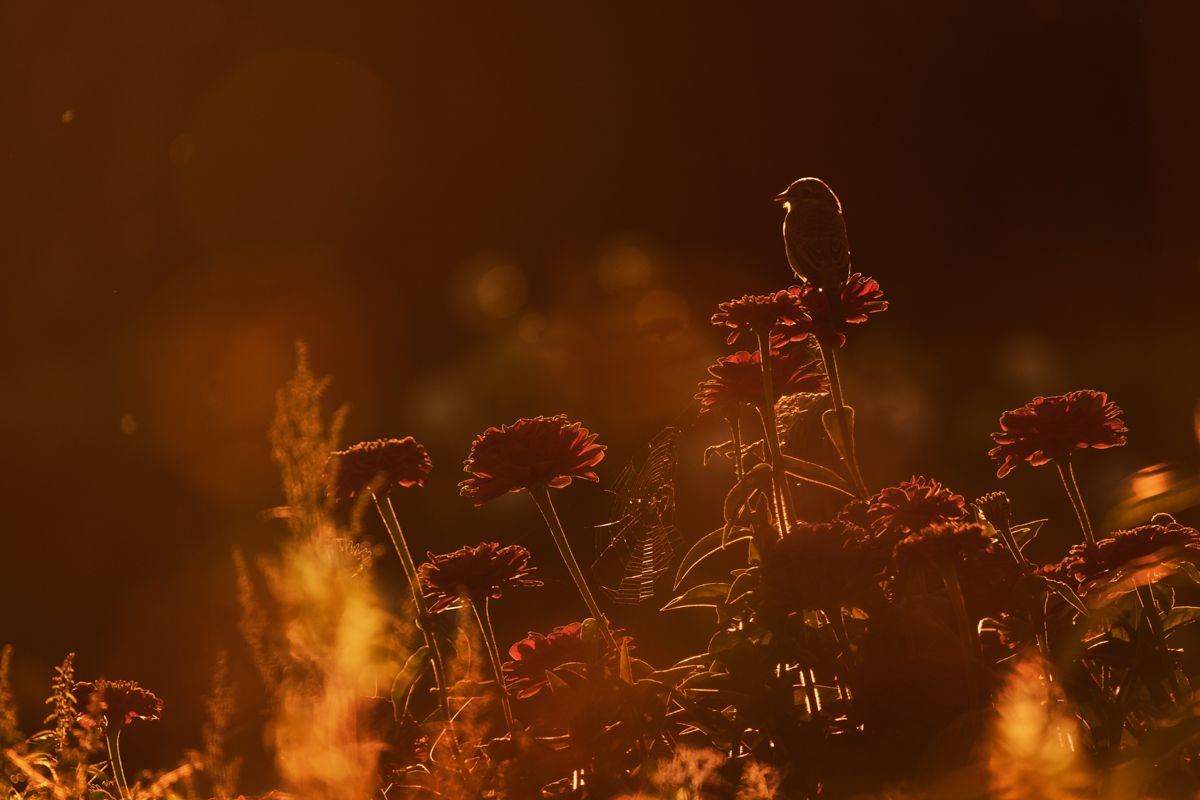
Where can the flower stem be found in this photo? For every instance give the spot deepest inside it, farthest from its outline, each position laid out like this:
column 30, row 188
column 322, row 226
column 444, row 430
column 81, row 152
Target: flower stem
column 1073, row 493
column 483, row 616
column 541, row 498
column 735, row 428
column 771, row 437
column 424, row 618
column 113, row 742
column 966, row 632
column 829, row 359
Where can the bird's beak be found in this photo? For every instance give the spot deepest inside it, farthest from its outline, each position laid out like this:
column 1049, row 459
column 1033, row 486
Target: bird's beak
column 781, row 198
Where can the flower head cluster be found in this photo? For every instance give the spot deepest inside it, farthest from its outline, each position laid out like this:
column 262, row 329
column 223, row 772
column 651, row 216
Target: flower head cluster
column 537, row 654
column 479, row 572
column 858, row 298
column 915, row 504
column 120, row 702
column 1140, row 546
column 1049, row 428
column 986, row 572
column 762, row 314
column 818, row 566
column 383, row 464
column 737, row 379
column 530, row 454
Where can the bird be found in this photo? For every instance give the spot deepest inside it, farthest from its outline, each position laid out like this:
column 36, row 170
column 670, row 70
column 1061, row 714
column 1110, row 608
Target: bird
column 814, row 234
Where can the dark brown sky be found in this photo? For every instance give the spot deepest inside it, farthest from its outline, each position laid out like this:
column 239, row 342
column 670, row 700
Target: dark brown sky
column 475, row 213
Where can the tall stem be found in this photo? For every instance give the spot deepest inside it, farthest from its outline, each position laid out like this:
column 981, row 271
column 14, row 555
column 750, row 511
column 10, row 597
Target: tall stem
column 424, row 618
column 1072, row 487
column 541, row 498
column 484, row 618
column 113, row 742
column 829, row 359
column 966, row 632
column 783, row 489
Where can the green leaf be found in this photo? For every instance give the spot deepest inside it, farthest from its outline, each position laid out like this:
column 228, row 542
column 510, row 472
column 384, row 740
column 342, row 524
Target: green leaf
column 757, row 479
column 742, row 585
column 1179, row 616
column 406, row 679
column 1064, row 591
column 1026, row 532
column 704, row 595
column 833, row 428
column 814, row 473
column 707, row 545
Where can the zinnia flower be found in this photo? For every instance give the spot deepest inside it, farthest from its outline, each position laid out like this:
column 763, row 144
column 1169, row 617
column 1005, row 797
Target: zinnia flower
column 531, row 453
column 384, row 463
column 737, row 379
column 479, row 572
column 1157, row 540
column 915, row 504
column 859, row 297
column 986, row 573
column 762, row 314
column 818, row 566
column 120, row 702
column 1049, row 428
column 537, row 654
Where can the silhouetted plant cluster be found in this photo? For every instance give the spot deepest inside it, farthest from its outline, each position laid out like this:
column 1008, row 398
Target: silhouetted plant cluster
column 903, row 645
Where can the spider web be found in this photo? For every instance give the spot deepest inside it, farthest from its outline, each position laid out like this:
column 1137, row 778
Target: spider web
column 642, row 539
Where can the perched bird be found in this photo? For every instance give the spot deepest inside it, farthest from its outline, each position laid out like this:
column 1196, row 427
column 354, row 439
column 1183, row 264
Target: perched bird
column 814, row 234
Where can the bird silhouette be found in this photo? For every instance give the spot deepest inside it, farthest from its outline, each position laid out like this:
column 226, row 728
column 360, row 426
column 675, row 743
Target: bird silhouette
column 814, row 234
column 814, row 238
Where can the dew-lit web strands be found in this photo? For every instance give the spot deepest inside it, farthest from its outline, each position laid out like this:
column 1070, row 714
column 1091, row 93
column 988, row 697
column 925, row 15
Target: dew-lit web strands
column 641, row 539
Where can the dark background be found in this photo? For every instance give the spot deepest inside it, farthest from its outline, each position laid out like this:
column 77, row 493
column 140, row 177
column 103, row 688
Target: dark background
column 474, row 213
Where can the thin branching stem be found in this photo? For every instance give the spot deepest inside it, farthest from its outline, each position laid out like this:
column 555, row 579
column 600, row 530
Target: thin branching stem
column 483, row 616
column 963, row 622
column 541, row 498
column 1076, row 498
column 424, row 619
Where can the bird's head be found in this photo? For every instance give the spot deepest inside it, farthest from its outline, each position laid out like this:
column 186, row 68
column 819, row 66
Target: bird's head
column 808, row 191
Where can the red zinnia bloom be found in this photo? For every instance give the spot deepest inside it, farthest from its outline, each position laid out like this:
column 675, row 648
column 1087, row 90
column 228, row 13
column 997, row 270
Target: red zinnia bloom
column 537, row 654
column 477, row 572
column 1152, row 542
column 387, row 463
column 986, row 573
column 120, row 702
column 763, row 314
column 859, row 297
column 1048, row 428
column 738, row 379
column 915, row 504
column 530, row 453
column 819, row 567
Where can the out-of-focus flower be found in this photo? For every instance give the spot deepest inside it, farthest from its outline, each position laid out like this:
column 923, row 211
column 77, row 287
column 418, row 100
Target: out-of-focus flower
column 946, row 543
column 1141, row 546
column 763, row 314
column 737, row 379
column 120, row 702
column 479, row 572
column 1048, row 429
column 537, row 653
column 858, row 298
column 986, row 573
column 856, row 512
column 818, row 566
column 915, row 504
column 530, row 453
column 382, row 464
